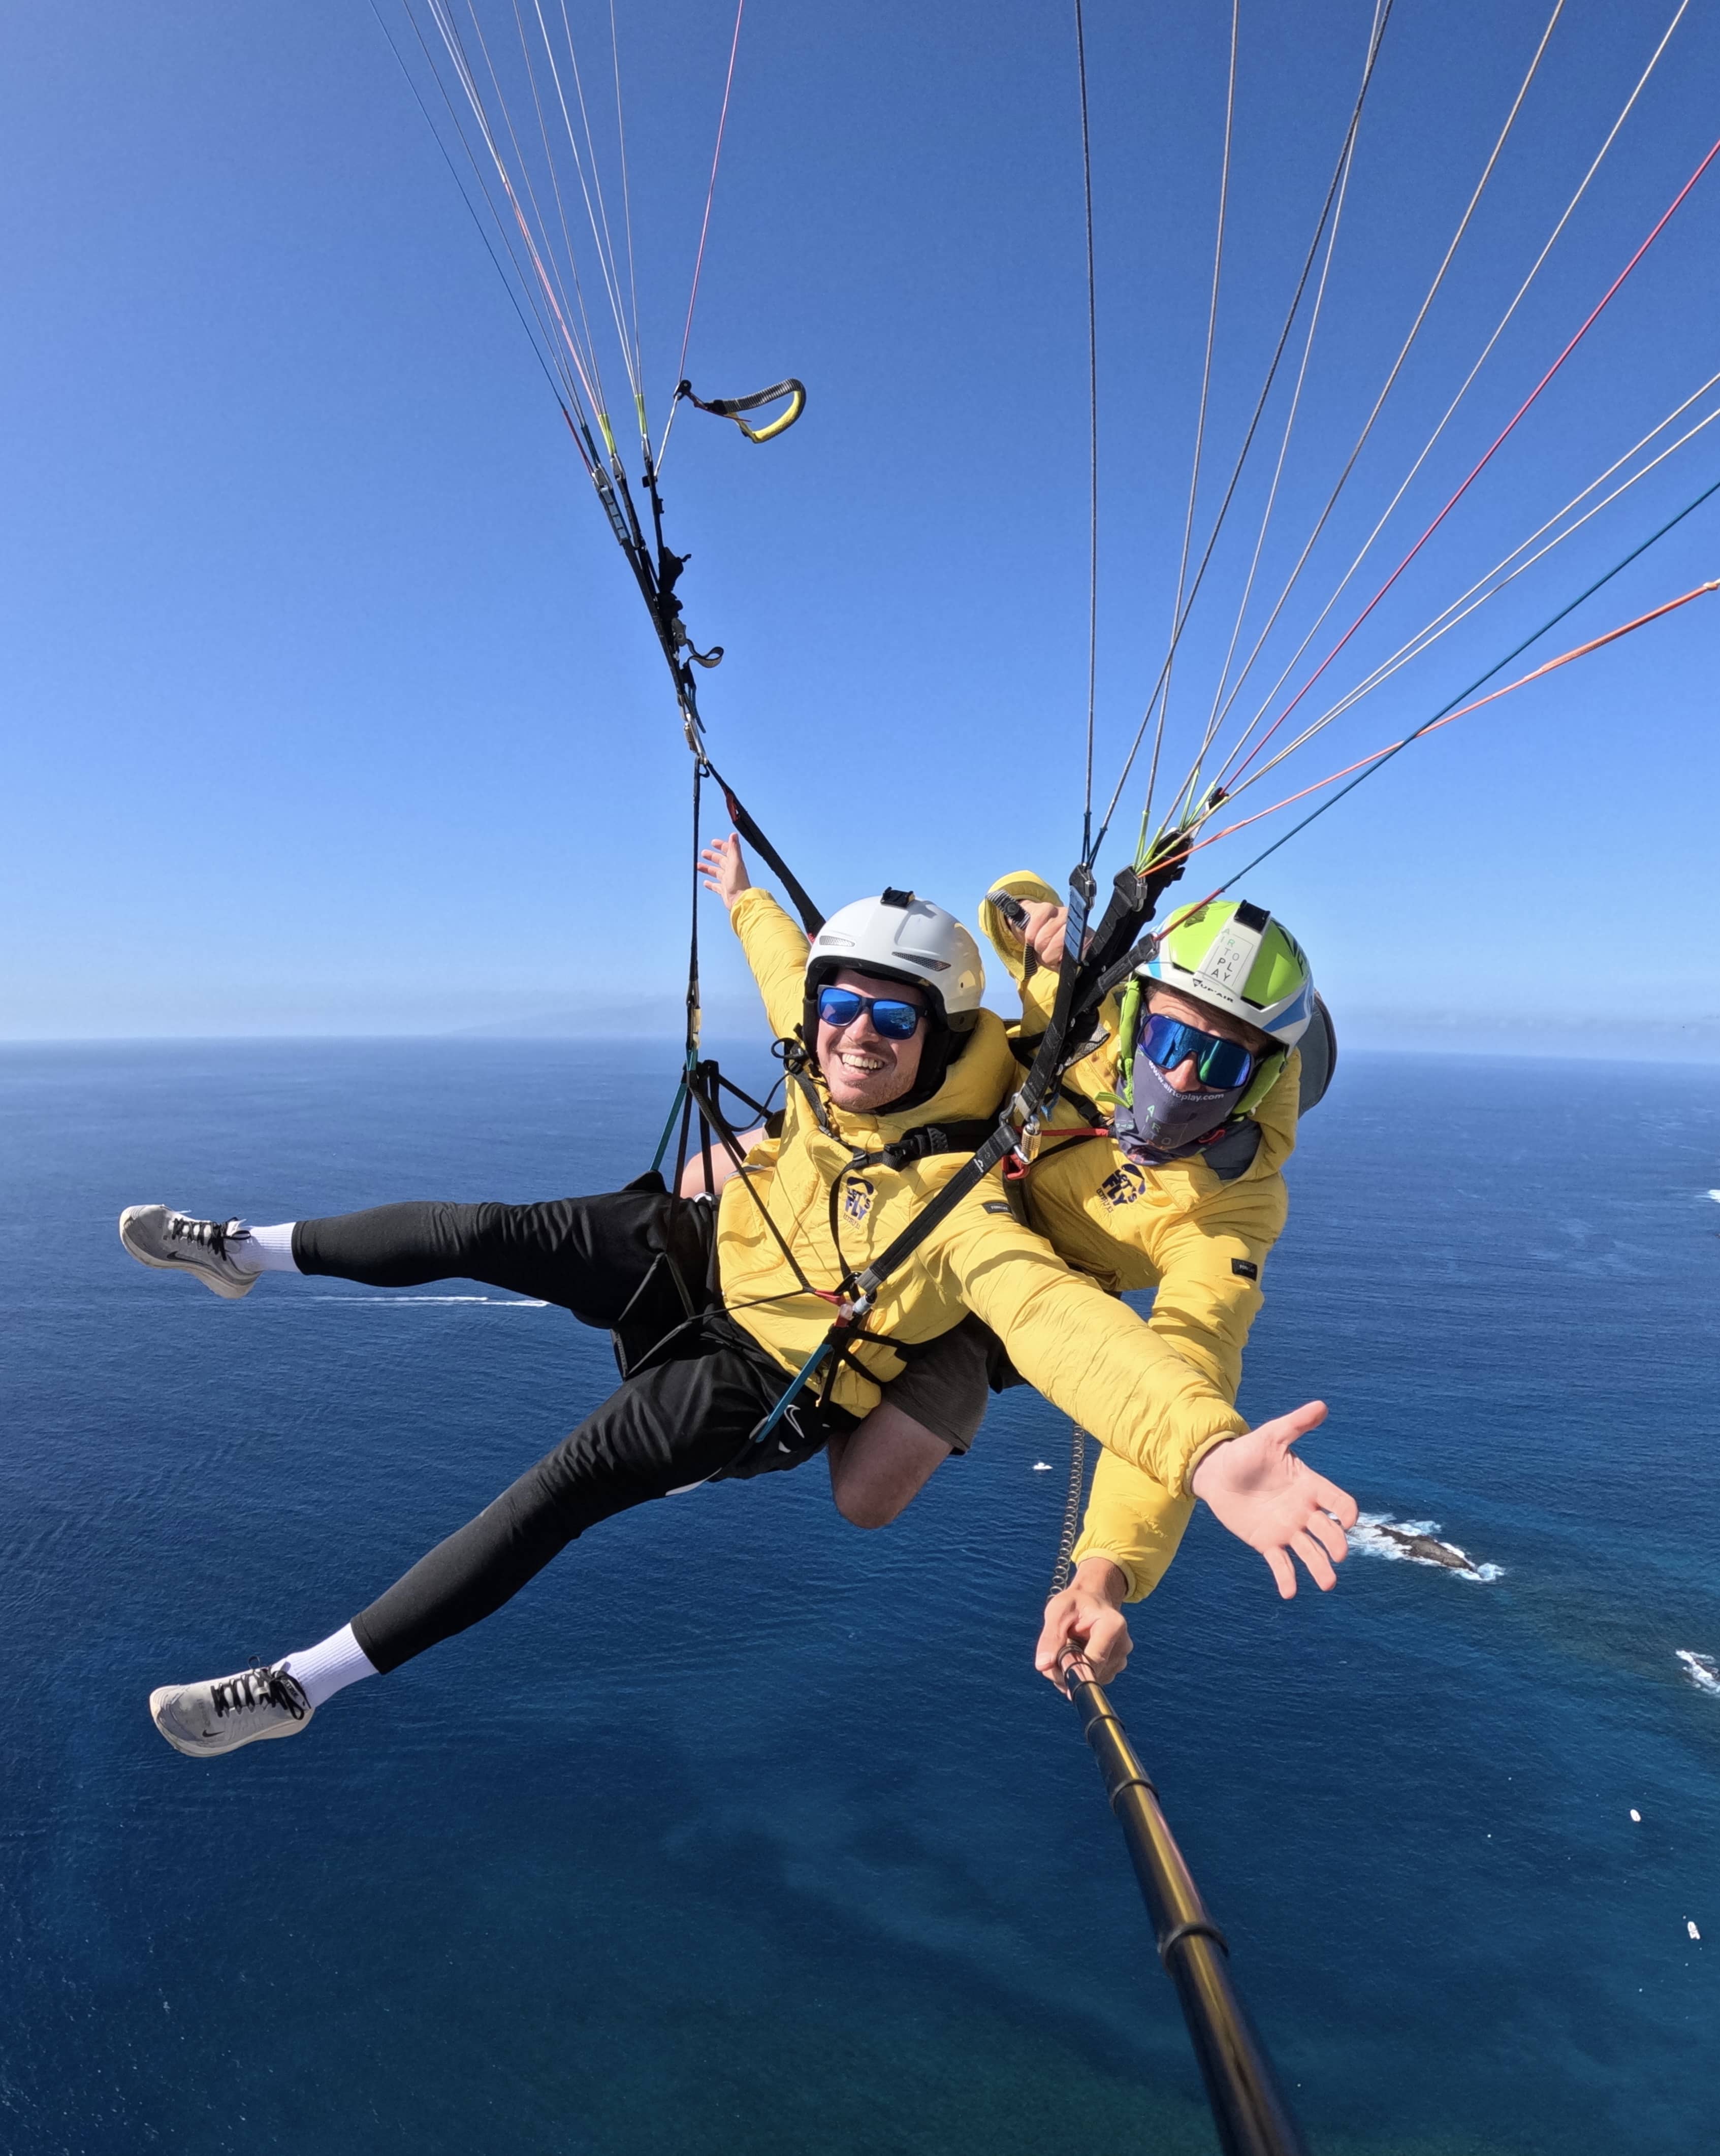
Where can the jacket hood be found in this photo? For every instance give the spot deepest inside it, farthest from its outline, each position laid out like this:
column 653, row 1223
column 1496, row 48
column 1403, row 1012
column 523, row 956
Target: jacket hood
column 1022, row 885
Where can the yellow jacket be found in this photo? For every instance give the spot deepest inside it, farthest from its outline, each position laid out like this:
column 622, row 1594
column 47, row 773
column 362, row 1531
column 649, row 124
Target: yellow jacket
column 1198, row 1242
column 1089, row 1355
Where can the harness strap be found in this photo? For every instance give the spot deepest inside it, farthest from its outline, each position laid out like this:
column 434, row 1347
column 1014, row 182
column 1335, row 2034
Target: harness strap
column 1114, row 953
column 792, row 1053
column 927, row 1141
column 711, row 1114
column 811, row 919
column 839, row 1344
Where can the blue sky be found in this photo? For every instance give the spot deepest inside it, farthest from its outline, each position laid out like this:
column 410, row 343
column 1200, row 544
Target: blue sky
column 331, row 705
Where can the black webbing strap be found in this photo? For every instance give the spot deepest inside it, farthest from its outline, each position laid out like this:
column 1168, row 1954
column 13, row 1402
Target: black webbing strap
column 926, row 1142
column 1134, row 900
column 997, row 1146
column 744, row 823
column 1115, row 976
column 1117, row 927
column 1047, row 1064
column 702, row 1094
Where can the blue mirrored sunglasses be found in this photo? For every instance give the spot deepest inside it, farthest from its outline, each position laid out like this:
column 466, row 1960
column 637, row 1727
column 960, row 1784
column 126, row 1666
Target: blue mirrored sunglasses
column 1168, row 1042
column 894, row 1019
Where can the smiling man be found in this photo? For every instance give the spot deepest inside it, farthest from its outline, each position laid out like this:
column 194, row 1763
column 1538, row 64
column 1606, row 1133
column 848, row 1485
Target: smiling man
column 717, row 1310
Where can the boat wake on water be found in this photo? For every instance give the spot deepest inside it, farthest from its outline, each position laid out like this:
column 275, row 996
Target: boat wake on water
column 1702, row 1670
column 1416, row 1542
column 488, row 1301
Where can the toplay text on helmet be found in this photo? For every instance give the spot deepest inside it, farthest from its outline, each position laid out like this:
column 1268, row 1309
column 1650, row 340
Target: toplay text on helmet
column 1237, row 957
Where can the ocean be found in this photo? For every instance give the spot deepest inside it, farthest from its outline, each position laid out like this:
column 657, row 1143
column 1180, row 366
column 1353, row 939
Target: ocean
column 742, row 1832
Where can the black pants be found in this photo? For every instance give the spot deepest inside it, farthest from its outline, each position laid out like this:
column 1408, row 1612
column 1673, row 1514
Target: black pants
column 637, row 1249
column 695, row 1389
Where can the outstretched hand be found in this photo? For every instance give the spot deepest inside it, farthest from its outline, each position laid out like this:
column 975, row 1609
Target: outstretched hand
column 1275, row 1503
column 1086, row 1620
column 724, row 869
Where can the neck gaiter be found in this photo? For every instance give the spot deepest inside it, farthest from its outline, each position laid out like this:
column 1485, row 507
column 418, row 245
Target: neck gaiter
column 1164, row 1123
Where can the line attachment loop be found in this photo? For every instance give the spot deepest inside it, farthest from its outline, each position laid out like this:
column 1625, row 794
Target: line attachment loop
column 731, row 407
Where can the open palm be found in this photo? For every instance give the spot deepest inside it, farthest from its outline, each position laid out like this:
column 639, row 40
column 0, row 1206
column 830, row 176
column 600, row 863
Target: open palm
column 1274, row 1501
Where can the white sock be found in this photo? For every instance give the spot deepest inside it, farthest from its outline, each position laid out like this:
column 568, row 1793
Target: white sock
column 330, row 1666
column 264, row 1250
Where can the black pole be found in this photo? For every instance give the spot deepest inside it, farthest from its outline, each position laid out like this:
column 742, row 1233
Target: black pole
column 1251, row 2114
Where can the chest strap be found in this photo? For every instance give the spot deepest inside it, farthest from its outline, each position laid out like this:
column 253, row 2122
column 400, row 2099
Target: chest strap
column 926, row 1142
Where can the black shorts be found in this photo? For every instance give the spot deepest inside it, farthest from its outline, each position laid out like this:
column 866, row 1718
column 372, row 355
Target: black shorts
column 945, row 1387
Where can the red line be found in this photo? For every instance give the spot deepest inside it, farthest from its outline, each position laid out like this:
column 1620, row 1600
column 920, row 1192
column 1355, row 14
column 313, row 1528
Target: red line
column 1565, row 659
column 1498, row 443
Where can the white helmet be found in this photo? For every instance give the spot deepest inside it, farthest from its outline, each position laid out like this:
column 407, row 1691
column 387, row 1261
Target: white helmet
column 904, row 938
column 901, row 938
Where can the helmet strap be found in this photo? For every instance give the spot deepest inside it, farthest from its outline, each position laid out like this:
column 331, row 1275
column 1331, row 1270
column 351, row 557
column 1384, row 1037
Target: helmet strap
column 1271, row 1069
column 1128, row 1029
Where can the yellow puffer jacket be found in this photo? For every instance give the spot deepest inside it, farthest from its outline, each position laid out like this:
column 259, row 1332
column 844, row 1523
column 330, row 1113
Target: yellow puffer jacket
column 1089, row 1355
column 1200, row 1243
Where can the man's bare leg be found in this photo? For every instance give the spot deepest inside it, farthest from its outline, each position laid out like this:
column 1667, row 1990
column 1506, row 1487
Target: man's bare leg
column 877, row 1469
column 692, row 1176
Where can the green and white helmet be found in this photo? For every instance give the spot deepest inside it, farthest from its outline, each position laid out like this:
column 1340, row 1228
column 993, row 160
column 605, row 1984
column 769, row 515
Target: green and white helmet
column 1237, row 957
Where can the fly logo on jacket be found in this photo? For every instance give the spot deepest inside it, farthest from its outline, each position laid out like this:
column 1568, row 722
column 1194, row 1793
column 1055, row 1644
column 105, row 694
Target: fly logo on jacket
column 1123, row 1188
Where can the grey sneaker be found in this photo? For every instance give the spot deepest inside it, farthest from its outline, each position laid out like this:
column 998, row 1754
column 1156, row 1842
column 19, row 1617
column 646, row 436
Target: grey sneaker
column 158, row 1235
column 221, row 1714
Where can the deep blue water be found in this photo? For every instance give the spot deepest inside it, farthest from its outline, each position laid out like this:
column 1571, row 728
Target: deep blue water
column 741, row 1831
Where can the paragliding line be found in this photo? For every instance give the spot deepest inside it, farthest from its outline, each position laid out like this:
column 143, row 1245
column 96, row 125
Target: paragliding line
column 1397, row 368
column 1499, row 327
column 1498, row 443
column 1080, row 63
column 1448, row 616
column 1450, row 710
column 722, row 121
column 1179, row 614
column 1463, row 224
column 1340, row 186
column 507, row 282
column 1381, row 755
column 1344, row 157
